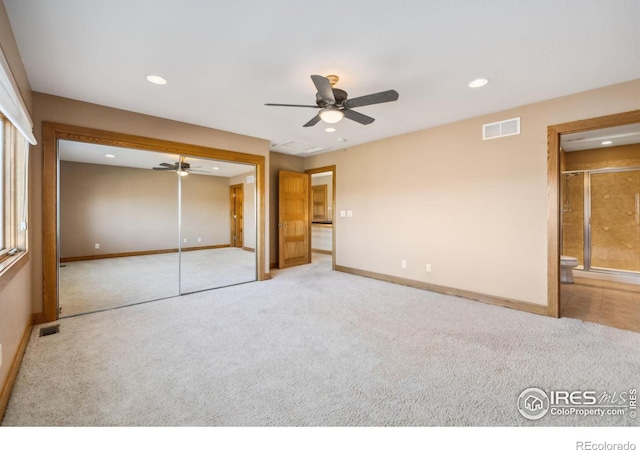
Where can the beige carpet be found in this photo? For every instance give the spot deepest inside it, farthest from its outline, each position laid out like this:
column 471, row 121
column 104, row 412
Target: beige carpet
column 313, row 347
column 96, row 285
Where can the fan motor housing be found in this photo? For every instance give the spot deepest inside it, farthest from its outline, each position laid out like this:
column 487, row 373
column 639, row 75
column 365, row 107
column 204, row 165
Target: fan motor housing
column 338, row 94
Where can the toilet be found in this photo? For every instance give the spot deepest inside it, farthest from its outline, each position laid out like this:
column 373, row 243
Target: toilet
column 567, row 264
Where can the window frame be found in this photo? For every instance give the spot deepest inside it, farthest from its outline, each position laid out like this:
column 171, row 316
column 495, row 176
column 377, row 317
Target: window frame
column 14, row 172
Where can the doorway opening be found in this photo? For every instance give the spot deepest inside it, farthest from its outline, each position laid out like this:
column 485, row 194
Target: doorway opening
column 323, row 223
column 594, row 217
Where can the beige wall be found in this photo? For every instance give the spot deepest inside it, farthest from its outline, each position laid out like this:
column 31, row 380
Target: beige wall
column 278, row 162
column 249, row 207
column 15, row 297
column 129, row 210
column 62, row 110
column 11, row 52
column 205, row 211
column 475, row 210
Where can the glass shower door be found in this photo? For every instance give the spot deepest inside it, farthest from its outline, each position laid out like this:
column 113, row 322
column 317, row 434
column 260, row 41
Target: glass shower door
column 573, row 215
column 615, row 220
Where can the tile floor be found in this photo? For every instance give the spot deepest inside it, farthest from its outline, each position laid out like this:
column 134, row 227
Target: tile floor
column 605, row 302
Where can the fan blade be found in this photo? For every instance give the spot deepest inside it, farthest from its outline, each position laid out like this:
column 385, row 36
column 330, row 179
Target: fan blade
column 357, row 117
column 295, row 106
column 324, row 89
column 372, row 99
column 163, row 168
column 312, row 122
column 172, row 166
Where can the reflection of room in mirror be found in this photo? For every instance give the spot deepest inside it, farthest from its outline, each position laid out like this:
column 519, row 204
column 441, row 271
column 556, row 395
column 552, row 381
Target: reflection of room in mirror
column 138, row 225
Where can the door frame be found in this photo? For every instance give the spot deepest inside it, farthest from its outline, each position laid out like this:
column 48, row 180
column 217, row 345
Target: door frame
column 331, row 169
column 52, row 132
column 554, row 202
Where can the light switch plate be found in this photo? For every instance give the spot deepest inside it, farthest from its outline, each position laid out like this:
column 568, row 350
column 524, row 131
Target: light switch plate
column 349, row 213
column 343, row 213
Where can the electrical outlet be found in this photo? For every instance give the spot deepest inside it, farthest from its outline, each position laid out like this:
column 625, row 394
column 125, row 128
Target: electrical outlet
column 185, row 240
column 97, row 246
column 199, row 239
column 404, row 264
column 428, row 267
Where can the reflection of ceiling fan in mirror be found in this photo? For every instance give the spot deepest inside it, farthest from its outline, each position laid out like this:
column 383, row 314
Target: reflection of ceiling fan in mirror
column 182, row 167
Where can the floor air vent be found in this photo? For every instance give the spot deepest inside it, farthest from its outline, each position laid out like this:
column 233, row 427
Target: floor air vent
column 501, row 129
column 46, row 331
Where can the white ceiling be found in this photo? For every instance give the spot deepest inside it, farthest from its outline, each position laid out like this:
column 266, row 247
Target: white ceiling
column 588, row 140
column 141, row 159
column 224, row 59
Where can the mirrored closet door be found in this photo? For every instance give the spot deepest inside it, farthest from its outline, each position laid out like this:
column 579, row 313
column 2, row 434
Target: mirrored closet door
column 217, row 225
column 137, row 226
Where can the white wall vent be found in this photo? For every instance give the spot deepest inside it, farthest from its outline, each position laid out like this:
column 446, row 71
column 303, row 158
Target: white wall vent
column 501, row 129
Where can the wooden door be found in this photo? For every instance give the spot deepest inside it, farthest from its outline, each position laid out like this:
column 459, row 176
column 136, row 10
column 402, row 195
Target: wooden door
column 294, row 228
column 319, row 195
column 237, row 215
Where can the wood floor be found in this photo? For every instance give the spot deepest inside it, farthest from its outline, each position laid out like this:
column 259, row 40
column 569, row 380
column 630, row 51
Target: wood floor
column 605, row 302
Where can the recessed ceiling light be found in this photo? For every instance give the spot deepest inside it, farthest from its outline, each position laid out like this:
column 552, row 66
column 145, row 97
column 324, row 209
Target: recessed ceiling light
column 155, row 79
column 478, row 83
column 216, row 168
column 330, row 130
column 109, row 156
column 607, row 142
column 341, row 139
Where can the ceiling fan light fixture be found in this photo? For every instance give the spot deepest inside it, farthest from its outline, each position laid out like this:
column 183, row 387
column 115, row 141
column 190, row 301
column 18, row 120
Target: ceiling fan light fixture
column 182, row 172
column 331, row 115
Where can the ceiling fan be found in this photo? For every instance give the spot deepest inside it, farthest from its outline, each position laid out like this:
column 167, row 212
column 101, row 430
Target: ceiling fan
column 181, row 167
column 334, row 104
